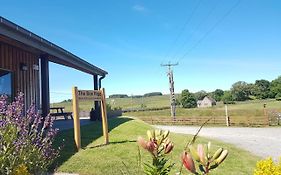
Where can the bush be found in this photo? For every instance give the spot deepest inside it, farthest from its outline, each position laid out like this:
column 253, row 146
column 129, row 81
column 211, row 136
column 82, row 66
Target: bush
column 229, row 102
column 119, row 96
column 153, row 94
column 136, row 96
column 268, row 167
column 25, row 140
column 227, row 97
column 188, row 99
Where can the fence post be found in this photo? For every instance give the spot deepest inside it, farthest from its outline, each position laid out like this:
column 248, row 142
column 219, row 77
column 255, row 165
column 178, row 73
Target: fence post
column 265, row 114
column 226, row 116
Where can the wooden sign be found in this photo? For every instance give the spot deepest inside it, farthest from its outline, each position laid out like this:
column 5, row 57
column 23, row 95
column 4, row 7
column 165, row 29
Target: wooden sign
column 89, row 95
column 96, row 95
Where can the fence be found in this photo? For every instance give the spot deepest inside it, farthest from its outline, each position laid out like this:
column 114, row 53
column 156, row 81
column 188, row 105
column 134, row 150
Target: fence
column 217, row 120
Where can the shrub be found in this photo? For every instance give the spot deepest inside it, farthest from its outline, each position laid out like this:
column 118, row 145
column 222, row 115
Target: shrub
column 151, row 94
column 25, row 140
column 268, row 167
column 188, row 99
column 119, row 96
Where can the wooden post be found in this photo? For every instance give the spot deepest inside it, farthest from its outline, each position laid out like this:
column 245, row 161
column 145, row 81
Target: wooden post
column 104, row 116
column 76, row 120
column 265, row 114
column 226, row 116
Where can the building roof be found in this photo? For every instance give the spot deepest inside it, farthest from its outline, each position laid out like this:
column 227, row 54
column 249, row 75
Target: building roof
column 42, row 46
column 210, row 99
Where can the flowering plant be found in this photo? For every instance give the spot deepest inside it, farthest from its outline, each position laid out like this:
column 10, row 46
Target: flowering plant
column 268, row 167
column 25, row 139
column 202, row 155
column 158, row 145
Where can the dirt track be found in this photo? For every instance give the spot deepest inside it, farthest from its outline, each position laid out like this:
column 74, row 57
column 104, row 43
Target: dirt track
column 263, row 142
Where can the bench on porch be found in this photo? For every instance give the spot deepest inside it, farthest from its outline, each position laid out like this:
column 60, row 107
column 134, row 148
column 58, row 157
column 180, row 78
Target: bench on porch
column 59, row 111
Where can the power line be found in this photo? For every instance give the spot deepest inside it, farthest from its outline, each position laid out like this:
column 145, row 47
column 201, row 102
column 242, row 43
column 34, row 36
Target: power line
column 184, row 26
column 210, row 30
column 196, row 28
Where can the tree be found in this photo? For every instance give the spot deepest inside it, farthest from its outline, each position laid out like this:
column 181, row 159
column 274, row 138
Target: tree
column 251, row 88
column 153, row 94
column 240, row 91
column 217, row 94
column 188, row 99
column 262, row 89
column 227, row 97
column 200, row 95
column 275, row 87
column 119, row 96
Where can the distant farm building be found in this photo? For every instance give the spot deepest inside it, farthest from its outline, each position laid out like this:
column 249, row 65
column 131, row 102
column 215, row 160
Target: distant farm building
column 206, row 102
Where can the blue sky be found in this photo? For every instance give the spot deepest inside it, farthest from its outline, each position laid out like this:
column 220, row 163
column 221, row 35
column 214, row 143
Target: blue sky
column 131, row 38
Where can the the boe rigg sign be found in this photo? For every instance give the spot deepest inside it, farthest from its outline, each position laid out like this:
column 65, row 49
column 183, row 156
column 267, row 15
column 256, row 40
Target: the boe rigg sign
column 81, row 95
column 95, row 95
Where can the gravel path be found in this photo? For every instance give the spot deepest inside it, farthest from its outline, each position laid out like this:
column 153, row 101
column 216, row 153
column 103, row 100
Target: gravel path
column 263, row 142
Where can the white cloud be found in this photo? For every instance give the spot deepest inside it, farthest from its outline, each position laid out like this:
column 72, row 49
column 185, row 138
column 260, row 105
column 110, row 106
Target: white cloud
column 139, row 8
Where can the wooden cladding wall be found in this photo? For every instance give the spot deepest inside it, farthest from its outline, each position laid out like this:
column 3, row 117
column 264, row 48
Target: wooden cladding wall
column 26, row 81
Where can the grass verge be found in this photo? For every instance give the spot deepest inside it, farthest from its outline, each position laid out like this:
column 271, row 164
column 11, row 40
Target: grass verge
column 121, row 155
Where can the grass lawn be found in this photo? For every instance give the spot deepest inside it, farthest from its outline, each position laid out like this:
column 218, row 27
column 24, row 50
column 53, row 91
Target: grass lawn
column 121, row 154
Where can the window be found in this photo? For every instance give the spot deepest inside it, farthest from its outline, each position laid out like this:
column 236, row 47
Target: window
column 6, row 83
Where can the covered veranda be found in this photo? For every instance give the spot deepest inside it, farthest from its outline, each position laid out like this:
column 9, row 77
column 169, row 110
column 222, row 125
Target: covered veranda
column 26, row 57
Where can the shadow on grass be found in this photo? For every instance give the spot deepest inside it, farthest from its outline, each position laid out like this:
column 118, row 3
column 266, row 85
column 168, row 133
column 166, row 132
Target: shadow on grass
column 112, row 143
column 89, row 133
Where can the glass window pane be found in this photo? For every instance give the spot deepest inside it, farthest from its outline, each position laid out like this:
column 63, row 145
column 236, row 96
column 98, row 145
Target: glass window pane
column 6, row 83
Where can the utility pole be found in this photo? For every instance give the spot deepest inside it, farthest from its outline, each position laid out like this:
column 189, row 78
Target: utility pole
column 172, row 92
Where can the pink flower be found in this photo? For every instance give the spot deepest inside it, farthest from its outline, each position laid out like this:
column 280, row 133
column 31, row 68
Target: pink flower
column 150, row 146
column 188, row 162
column 201, row 154
column 142, row 142
column 168, row 148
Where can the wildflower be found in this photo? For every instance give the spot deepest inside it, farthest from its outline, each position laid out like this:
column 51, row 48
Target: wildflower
column 148, row 145
column 188, row 162
column 168, row 148
column 201, row 153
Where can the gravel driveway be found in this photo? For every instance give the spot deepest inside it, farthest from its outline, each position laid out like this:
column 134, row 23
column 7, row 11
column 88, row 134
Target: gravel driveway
column 263, row 142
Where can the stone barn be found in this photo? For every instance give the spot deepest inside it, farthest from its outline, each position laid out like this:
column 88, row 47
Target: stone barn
column 206, row 102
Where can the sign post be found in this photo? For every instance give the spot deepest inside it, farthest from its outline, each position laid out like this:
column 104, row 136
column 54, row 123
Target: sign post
column 95, row 95
column 76, row 120
column 104, row 116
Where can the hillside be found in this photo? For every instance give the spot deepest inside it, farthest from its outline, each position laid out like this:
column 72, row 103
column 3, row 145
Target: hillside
column 124, row 103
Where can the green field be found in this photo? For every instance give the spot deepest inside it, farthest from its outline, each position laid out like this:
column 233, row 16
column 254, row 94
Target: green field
column 241, row 112
column 163, row 101
column 121, row 154
column 124, row 103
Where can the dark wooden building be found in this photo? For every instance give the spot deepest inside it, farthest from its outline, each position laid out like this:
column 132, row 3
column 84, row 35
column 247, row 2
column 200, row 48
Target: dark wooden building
column 24, row 64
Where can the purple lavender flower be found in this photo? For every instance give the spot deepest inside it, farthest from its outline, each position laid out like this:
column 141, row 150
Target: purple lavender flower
column 28, row 142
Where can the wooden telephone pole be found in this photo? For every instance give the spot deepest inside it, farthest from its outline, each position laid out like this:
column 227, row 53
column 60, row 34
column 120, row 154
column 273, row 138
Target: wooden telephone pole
column 172, row 92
